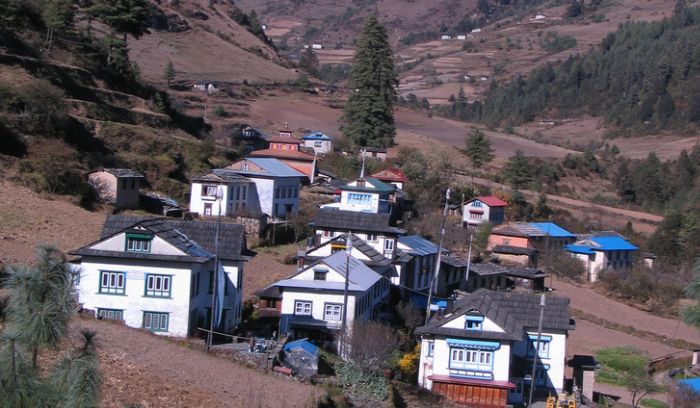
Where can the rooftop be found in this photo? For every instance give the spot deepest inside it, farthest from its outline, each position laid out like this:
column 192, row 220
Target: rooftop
column 221, row 176
column 283, row 154
column 316, row 135
column 601, row 241
column 327, row 218
column 514, row 312
column 390, row 174
column 270, row 167
column 376, row 186
column 532, row 229
column 361, row 279
column 418, row 245
column 491, row 201
column 122, row 172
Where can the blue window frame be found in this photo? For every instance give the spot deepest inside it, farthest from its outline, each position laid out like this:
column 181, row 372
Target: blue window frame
column 113, row 283
column 545, row 342
column 476, row 204
column 112, row 314
column 475, row 361
column 473, row 323
column 431, row 348
column 158, row 285
column 358, row 198
column 156, row 321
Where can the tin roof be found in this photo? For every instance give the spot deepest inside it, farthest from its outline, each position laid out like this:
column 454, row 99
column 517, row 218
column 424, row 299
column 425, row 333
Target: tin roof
column 418, row 245
column 316, row 135
column 270, row 167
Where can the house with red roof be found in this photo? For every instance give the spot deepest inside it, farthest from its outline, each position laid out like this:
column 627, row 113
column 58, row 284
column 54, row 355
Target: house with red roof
column 393, row 175
column 484, row 209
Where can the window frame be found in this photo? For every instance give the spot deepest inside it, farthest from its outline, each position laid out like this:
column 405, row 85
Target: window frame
column 158, row 293
column 389, row 244
column 430, row 349
column 148, row 315
column 301, row 302
column 144, row 239
column 112, row 289
column 545, row 346
column 333, row 313
column 479, row 326
column 471, row 360
column 98, row 313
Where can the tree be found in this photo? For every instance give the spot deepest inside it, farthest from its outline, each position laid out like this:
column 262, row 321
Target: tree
column 691, row 313
column 309, row 62
column 517, row 171
column 41, row 303
column 57, row 15
column 368, row 117
column 649, row 182
column 478, row 149
column 123, row 16
column 169, row 72
column 542, row 210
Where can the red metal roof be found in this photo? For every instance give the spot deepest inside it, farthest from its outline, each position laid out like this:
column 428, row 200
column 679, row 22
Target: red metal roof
column 283, row 154
column 492, row 201
column 471, row 381
column 391, row 174
column 283, row 139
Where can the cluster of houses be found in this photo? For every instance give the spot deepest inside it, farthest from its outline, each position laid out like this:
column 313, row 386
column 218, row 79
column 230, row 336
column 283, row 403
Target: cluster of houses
column 481, row 343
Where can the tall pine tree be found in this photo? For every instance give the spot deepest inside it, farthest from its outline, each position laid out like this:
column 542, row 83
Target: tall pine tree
column 478, row 149
column 368, row 118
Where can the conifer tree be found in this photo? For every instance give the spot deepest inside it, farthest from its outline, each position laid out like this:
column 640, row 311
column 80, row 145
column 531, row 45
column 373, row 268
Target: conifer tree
column 368, row 117
column 309, row 62
column 517, row 171
column 169, row 72
column 691, row 313
column 57, row 15
column 478, row 149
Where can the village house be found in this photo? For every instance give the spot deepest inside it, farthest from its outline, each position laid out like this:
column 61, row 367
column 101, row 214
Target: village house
column 312, row 299
column 601, row 251
column 276, row 186
column 234, row 189
column 119, row 187
column 319, row 142
column 158, row 274
column 250, row 138
column 417, row 273
column 366, row 195
column 393, row 176
column 287, row 149
column 373, row 228
column 533, row 235
column 481, row 352
column 373, row 153
column 484, row 209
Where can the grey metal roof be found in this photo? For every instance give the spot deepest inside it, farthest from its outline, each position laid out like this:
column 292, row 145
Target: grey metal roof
column 135, row 255
column 123, row 172
column 487, row 268
column 514, row 312
column 518, row 229
column 418, row 245
column 221, row 176
column 232, row 243
column 454, row 261
column 271, row 167
column 361, row 279
column 340, row 220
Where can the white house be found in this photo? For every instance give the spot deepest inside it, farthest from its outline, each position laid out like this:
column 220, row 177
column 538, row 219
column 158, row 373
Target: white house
column 601, row 251
column 119, row 187
column 317, row 46
column 238, row 193
column 482, row 351
column 319, row 142
column 158, row 274
column 277, row 185
column 422, row 265
column 445, row 37
column 312, row 299
column 367, row 195
column 461, row 37
column 375, row 229
column 484, row 209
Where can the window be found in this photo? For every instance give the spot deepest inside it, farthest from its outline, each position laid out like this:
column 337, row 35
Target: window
column 389, row 244
column 431, row 348
column 544, row 346
column 540, row 373
column 209, row 190
column 327, row 233
column 158, row 285
column 302, row 308
column 155, row 321
column 473, row 323
column 194, row 287
column 207, row 209
column 244, row 166
column 112, row 314
column 320, row 275
column 477, row 360
column 332, row 311
column 476, row 204
column 357, row 198
column 475, row 215
column 372, row 237
column 113, row 282
column 295, row 193
column 277, row 192
column 318, row 143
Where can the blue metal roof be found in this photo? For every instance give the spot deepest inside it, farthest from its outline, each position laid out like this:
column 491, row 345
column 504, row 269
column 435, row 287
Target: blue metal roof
column 272, row 167
column 316, row 135
column 579, row 249
column 552, row 229
column 693, row 383
column 612, row 243
column 302, row 344
column 418, row 245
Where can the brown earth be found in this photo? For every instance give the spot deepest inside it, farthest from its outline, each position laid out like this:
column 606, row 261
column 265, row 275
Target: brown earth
column 141, row 368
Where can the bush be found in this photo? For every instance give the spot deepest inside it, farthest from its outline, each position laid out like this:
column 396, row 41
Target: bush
column 359, row 385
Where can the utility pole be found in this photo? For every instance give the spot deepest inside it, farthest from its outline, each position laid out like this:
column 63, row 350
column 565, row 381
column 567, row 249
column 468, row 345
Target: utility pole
column 363, row 153
column 469, row 258
column 215, row 275
column 537, row 351
column 435, row 277
column 343, row 330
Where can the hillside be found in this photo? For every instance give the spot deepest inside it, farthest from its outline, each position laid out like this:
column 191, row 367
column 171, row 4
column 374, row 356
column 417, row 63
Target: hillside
column 205, row 43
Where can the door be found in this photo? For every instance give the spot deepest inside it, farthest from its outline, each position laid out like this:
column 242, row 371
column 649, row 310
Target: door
column 207, row 209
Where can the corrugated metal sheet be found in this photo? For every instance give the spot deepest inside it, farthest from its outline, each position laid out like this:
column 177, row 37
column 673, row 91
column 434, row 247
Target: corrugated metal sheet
column 418, row 245
column 272, row 167
column 552, row 229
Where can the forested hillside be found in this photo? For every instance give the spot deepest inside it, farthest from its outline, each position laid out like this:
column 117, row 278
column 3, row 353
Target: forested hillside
column 644, row 77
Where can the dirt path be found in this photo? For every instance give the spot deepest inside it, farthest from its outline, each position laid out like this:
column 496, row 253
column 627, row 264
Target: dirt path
column 600, row 306
column 190, row 377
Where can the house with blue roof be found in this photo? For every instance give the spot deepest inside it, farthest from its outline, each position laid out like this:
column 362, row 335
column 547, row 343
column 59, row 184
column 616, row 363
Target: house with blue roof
column 312, row 298
column 601, row 251
column 417, row 273
column 517, row 240
column 319, row 142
